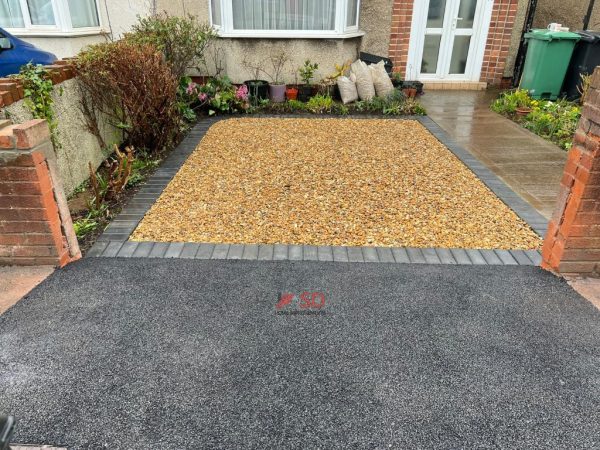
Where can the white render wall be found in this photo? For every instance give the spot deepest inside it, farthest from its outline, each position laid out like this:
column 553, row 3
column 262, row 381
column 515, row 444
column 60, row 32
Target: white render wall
column 116, row 17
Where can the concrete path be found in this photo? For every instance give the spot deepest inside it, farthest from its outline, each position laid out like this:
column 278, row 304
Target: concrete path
column 186, row 354
column 530, row 165
column 16, row 282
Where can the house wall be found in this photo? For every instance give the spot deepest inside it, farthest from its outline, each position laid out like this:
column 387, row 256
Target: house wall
column 570, row 13
column 375, row 21
column 499, row 50
column 515, row 39
column 117, row 17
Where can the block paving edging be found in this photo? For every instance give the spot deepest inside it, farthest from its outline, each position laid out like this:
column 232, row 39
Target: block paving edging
column 114, row 242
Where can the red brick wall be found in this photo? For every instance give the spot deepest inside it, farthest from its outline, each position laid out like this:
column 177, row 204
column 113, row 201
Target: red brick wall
column 572, row 245
column 498, row 42
column 35, row 226
column 496, row 51
column 400, row 34
column 11, row 89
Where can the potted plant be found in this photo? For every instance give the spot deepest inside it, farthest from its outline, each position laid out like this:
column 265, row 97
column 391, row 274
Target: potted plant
column 328, row 86
column 396, row 79
column 258, row 89
column 291, row 93
column 307, row 72
column 277, row 88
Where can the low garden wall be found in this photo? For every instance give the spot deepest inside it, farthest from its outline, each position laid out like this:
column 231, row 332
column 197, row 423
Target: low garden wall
column 35, row 222
column 77, row 146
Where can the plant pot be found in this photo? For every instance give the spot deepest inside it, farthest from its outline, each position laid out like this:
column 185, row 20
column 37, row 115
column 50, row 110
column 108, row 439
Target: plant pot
column 410, row 92
column 291, row 93
column 523, row 111
column 259, row 89
column 277, row 93
column 413, row 85
column 305, row 92
column 397, row 83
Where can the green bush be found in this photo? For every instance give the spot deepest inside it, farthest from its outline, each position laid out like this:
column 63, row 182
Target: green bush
column 182, row 40
column 395, row 104
column 320, row 104
column 511, row 100
column 555, row 121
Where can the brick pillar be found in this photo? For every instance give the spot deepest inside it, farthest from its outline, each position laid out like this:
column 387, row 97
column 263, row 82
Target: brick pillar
column 402, row 11
column 35, row 223
column 572, row 245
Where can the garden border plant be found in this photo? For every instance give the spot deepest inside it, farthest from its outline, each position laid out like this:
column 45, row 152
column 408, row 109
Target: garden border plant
column 555, row 121
column 39, row 89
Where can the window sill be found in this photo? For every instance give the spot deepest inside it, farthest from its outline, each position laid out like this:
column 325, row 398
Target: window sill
column 50, row 33
column 278, row 35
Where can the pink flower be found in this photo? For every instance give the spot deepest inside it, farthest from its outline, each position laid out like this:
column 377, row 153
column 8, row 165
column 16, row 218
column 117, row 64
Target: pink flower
column 242, row 92
column 191, row 88
column 202, row 96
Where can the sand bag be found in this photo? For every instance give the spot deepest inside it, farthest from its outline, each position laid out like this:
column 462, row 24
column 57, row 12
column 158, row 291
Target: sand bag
column 347, row 87
column 381, row 80
column 364, row 82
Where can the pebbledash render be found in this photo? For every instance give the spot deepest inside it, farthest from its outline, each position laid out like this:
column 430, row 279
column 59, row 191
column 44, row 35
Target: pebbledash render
column 445, row 43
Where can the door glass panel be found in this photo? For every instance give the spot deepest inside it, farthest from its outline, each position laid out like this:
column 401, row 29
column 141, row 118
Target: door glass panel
column 460, row 54
column 435, row 16
column 431, row 52
column 466, row 12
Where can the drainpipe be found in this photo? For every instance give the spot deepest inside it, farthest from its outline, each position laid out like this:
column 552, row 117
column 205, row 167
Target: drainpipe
column 520, row 59
column 588, row 16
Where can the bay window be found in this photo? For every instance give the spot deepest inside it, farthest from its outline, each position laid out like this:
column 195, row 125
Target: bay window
column 286, row 18
column 46, row 17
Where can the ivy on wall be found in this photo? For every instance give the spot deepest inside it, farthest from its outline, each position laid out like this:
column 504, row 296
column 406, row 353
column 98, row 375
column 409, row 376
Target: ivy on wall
column 39, row 88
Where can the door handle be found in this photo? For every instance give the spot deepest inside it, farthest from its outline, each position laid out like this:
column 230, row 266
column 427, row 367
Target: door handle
column 455, row 22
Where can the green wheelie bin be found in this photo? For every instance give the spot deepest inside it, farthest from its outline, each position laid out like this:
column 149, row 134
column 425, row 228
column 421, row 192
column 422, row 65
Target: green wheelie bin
column 546, row 63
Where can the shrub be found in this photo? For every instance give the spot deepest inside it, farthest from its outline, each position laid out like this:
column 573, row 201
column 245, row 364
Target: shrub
column 511, row 100
column 218, row 95
column 555, row 121
column 395, row 104
column 182, row 40
column 320, row 104
column 134, row 88
column 307, row 71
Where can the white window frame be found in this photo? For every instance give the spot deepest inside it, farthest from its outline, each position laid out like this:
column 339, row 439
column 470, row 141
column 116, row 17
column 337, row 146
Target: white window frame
column 63, row 26
column 341, row 31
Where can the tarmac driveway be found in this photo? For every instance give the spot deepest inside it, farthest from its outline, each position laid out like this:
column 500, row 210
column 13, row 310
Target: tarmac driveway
column 186, row 354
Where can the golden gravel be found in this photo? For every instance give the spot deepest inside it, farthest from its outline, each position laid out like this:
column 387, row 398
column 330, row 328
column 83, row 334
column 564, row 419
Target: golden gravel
column 344, row 182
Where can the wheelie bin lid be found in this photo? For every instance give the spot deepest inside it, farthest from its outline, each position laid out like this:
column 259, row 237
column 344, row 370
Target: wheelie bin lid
column 547, row 35
column 593, row 37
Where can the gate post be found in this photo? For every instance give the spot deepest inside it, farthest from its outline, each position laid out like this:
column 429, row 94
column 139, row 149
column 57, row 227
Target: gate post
column 35, row 223
column 572, row 244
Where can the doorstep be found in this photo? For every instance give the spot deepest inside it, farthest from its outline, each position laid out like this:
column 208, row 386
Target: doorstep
column 454, row 85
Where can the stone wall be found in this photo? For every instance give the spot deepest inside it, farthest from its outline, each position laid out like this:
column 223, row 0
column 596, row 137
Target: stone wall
column 77, row 146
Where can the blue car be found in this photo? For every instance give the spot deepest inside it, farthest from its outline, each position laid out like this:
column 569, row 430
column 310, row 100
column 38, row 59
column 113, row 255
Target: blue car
column 15, row 53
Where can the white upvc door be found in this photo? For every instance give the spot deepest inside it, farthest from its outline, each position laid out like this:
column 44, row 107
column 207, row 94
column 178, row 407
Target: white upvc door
column 448, row 39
